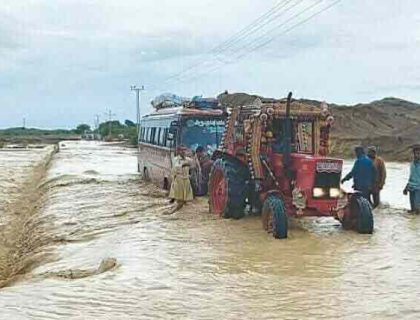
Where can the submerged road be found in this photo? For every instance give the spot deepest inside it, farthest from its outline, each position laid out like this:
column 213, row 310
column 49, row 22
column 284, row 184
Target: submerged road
column 83, row 238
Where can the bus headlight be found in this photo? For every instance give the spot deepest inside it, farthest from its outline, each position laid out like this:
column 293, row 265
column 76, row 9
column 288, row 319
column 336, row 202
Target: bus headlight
column 318, row 192
column 335, row 193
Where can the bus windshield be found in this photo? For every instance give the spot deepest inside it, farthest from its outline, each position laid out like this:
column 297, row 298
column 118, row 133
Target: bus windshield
column 202, row 132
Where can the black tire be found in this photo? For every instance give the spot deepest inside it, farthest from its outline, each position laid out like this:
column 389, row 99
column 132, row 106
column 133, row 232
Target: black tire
column 236, row 174
column 275, row 209
column 361, row 209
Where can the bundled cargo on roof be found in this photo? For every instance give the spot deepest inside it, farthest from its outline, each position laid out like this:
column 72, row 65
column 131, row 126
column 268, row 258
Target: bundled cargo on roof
column 198, row 102
column 169, row 100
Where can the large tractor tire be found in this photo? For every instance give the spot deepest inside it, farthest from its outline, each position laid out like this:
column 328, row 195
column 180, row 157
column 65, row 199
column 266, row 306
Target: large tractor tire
column 359, row 217
column 274, row 217
column 228, row 188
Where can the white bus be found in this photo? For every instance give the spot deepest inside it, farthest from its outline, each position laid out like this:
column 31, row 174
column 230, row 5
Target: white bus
column 165, row 129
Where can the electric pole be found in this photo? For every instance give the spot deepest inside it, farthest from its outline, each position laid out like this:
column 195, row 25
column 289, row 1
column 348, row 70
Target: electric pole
column 96, row 122
column 137, row 90
column 96, row 131
column 110, row 115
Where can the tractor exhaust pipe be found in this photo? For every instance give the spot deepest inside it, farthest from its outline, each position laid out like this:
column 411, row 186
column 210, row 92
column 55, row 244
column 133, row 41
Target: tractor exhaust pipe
column 287, row 138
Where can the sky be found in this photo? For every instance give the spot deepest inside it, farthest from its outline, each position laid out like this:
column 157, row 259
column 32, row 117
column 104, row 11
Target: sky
column 64, row 61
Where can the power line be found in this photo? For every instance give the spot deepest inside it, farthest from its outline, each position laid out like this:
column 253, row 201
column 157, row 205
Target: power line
column 256, row 28
column 279, row 26
column 266, row 42
column 251, row 28
column 184, row 76
column 238, row 49
column 252, row 24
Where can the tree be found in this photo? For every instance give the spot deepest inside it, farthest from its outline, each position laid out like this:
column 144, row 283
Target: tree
column 129, row 123
column 82, row 128
column 115, row 126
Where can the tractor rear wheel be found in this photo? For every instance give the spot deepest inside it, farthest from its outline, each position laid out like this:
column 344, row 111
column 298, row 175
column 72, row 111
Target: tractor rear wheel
column 359, row 217
column 274, row 217
column 228, row 188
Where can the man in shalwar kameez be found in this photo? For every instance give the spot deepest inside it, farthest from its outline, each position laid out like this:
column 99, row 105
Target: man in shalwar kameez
column 181, row 190
column 413, row 185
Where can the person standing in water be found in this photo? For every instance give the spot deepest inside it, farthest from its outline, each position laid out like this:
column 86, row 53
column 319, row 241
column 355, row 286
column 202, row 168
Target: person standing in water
column 203, row 166
column 363, row 173
column 181, row 190
column 413, row 185
column 379, row 165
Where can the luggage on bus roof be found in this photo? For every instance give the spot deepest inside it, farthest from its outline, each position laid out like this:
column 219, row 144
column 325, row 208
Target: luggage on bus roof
column 203, row 103
column 170, row 100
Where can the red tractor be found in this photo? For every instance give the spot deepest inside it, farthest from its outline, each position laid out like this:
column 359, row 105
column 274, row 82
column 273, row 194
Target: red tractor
column 273, row 159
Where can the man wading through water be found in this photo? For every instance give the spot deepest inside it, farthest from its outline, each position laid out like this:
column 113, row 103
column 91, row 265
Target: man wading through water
column 202, row 170
column 413, row 185
column 363, row 173
column 379, row 164
column 181, row 190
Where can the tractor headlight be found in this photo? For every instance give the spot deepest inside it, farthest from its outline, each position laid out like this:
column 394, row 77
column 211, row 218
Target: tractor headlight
column 318, row 192
column 335, row 193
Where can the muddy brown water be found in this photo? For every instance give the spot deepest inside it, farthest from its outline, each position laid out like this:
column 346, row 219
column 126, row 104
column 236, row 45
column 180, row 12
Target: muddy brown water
column 84, row 238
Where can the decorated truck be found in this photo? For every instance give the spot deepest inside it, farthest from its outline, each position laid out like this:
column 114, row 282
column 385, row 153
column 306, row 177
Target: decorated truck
column 273, row 160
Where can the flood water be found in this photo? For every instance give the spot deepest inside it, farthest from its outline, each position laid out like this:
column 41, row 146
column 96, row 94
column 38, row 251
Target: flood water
column 91, row 242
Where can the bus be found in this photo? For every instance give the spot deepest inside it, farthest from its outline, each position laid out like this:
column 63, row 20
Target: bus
column 166, row 128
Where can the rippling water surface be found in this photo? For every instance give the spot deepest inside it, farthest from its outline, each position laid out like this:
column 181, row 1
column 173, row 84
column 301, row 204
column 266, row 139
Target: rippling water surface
column 104, row 250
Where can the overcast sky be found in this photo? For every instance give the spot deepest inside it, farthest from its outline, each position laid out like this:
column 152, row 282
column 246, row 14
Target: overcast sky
column 63, row 61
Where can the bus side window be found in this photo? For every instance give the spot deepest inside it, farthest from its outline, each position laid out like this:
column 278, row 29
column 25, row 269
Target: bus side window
column 142, row 134
column 156, row 137
column 149, row 135
column 162, row 136
column 168, row 142
column 152, row 135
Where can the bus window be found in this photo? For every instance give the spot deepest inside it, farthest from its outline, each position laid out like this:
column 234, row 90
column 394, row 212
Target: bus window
column 147, row 135
column 142, row 134
column 162, row 136
column 152, row 135
column 202, row 132
column 169, row 142
column 156, row 137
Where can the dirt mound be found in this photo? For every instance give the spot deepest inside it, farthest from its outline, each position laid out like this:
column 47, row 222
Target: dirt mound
column 391, row 124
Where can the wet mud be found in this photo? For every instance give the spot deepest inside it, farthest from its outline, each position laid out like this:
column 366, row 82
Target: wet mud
column 97, row 245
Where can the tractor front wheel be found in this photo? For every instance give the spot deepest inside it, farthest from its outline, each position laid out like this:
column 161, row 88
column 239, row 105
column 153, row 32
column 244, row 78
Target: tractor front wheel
column 228, row 188
column 274, row 217
column 359, row 215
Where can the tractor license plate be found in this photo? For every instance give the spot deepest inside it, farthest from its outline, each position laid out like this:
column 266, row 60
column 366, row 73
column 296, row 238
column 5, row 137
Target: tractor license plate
column 328, row 167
